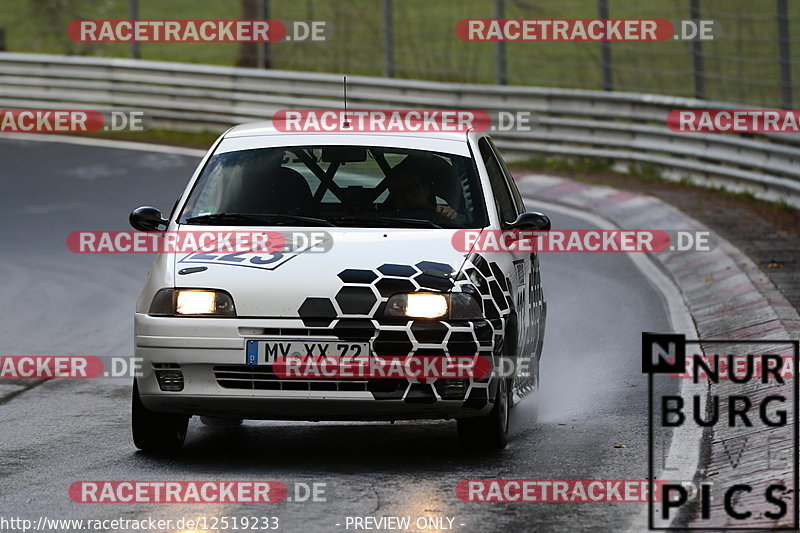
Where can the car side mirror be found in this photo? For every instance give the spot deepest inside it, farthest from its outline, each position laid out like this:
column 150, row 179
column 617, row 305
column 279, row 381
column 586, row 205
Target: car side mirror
column 530, row 221
column 147, row 219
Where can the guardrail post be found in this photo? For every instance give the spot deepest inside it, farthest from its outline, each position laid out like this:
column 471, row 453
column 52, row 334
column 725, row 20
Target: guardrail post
column 698, row 64
column 783, row 54
column 2, row 39
column 499, row 13
column 133, row 14
column 605, row 50
column 266, row 61
column 388, row 39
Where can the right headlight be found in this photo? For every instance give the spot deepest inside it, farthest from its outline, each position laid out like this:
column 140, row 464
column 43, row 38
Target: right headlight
column 192, row 303
column 451, row 305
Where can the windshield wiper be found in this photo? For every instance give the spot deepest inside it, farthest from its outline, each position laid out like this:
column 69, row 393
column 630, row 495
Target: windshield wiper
column 383, row 221
column 243, row 219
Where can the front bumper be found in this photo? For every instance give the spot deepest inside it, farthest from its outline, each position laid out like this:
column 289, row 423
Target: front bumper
column 209, row 356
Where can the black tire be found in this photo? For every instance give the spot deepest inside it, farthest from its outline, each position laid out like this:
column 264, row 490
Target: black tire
column 156, row 432
column 220, row 422
column 488, row 432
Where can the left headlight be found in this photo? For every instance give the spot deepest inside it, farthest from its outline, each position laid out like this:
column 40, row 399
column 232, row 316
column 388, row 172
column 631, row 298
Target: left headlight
column 454, row 305
column 192, row 302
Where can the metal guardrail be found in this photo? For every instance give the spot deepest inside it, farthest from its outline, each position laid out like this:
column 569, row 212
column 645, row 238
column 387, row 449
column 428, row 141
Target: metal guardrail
column 624, row 127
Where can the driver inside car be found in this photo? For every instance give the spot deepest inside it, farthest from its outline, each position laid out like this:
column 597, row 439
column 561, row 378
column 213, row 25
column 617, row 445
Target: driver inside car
column 411, row 189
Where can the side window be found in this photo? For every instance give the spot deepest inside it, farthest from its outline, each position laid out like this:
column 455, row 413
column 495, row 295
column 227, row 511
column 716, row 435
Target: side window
column 509, row 179
column 502, row 197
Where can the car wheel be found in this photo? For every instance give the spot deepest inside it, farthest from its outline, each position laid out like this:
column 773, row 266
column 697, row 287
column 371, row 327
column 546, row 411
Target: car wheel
column 156, row 432
column 220, row 422
column 488, row 432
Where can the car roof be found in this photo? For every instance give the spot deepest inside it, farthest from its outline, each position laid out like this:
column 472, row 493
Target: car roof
column 265, row 128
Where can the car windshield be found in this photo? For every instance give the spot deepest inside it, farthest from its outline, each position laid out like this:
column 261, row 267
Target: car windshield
column 349, row 186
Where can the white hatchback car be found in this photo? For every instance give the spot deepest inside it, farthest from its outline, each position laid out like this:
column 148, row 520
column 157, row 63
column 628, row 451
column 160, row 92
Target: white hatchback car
column 390, row 283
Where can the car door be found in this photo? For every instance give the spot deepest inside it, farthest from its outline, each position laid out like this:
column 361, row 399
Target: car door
column 536, row 304
column 520, row 270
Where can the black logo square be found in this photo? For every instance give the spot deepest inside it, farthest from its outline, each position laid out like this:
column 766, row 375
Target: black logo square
column 663, row 353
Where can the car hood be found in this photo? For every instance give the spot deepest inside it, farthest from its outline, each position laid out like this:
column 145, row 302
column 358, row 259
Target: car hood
column 358, row 269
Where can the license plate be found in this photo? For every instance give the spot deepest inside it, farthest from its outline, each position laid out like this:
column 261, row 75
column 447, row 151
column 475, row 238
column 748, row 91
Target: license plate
column 264, row 352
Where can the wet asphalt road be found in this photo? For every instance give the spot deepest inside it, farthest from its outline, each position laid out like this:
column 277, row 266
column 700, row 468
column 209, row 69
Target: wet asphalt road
column 60, row 431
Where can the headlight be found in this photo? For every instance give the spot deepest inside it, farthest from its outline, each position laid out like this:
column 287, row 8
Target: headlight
column 192, row 302
column 196, row 303
column 425, row 305
column 455, row 305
